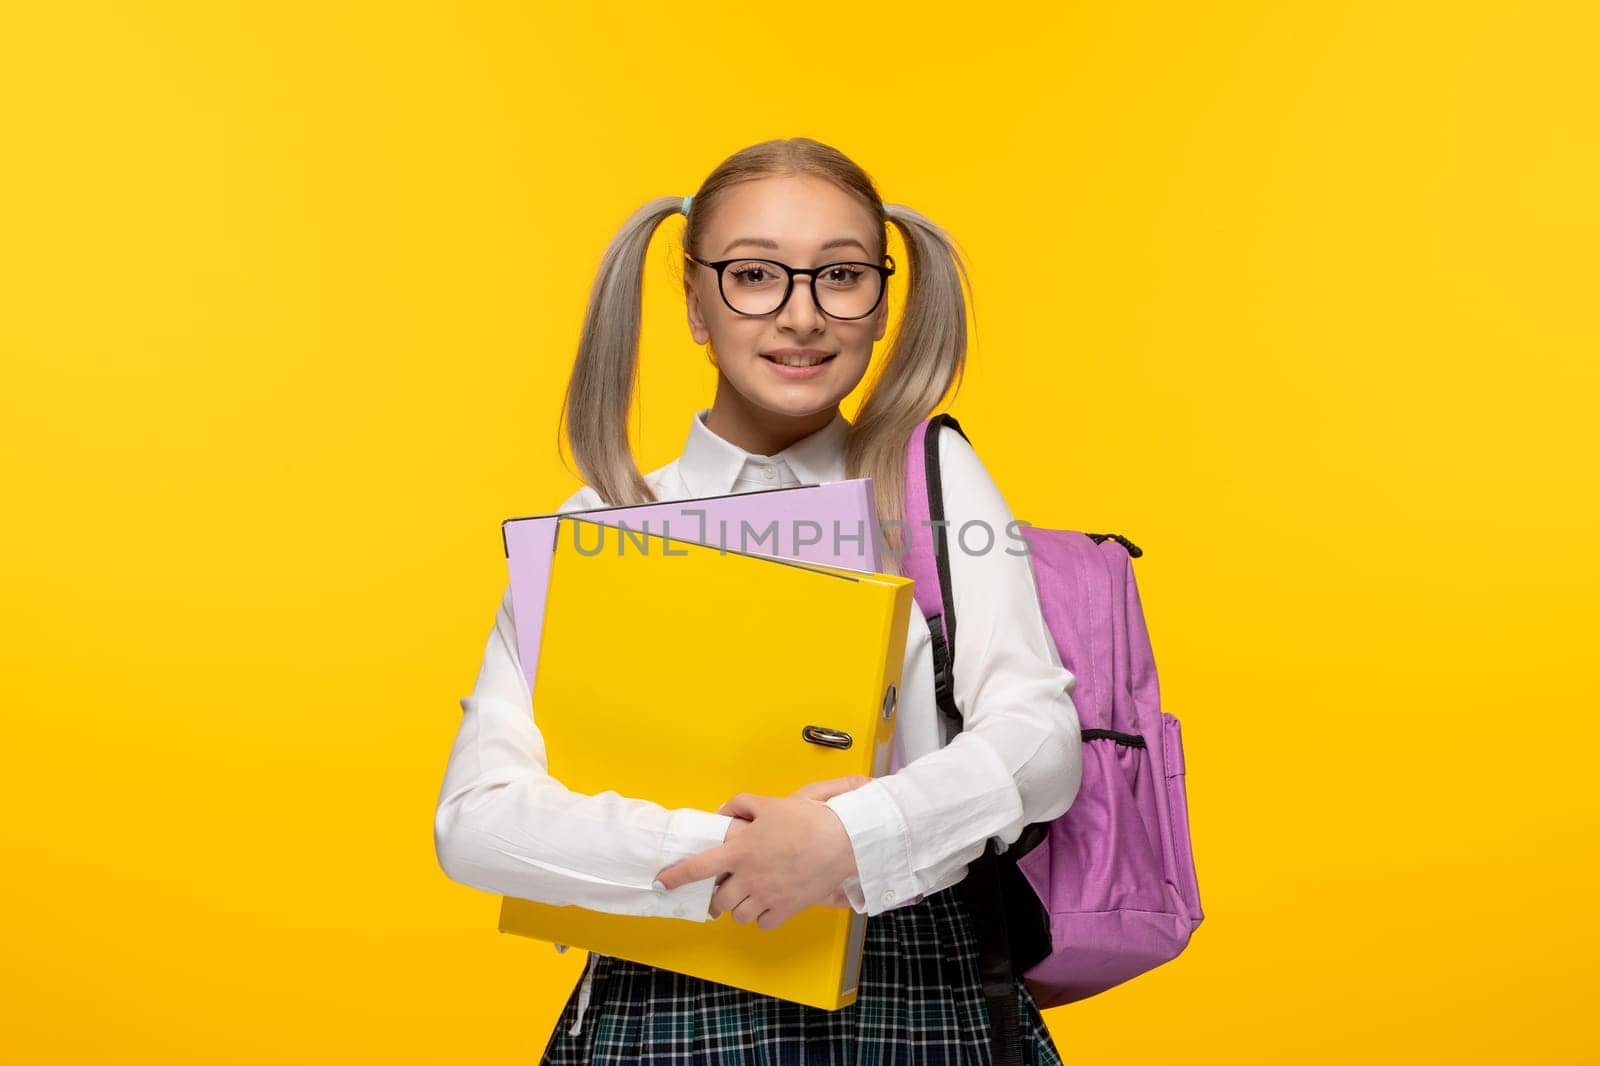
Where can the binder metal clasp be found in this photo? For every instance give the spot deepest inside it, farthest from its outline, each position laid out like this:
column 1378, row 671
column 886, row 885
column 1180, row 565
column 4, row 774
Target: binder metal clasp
column 828, row 738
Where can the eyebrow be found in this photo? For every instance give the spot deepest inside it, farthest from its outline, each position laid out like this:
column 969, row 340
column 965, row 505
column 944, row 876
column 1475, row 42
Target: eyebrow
column 762, row 242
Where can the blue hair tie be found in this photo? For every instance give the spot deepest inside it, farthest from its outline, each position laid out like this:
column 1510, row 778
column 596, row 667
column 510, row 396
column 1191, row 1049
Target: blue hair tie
column 685, row 207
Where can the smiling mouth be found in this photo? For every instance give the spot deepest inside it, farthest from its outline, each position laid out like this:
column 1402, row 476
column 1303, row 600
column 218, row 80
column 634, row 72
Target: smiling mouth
column 798, row 361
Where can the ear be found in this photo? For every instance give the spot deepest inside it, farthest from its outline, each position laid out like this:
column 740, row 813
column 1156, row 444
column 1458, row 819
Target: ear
column 697, row 320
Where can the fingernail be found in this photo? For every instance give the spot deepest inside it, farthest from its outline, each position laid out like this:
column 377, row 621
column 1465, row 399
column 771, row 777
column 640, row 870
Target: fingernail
column 658, row 886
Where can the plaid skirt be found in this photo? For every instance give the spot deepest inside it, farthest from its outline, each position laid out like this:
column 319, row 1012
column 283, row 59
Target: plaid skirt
column 919, row 1003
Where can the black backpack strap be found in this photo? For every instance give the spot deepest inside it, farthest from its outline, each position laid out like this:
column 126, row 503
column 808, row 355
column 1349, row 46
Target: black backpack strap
column 944, row 636
column 981, row 886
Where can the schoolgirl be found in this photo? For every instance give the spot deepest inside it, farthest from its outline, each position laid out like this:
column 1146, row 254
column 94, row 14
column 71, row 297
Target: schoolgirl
column 786, row 284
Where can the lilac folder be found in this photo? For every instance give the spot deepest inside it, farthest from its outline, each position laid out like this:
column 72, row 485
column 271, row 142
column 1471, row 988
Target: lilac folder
column 835, row 522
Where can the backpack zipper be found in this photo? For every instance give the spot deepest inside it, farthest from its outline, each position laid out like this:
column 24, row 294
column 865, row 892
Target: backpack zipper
column 1129, row 546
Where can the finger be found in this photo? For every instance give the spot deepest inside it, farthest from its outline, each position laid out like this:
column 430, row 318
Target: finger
column 727, row 894
column 746, row 911
column 744, row 805
column 826, row 790
column 697, row 867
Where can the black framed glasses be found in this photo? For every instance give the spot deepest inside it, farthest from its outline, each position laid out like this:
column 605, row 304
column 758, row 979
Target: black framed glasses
column 844, row 290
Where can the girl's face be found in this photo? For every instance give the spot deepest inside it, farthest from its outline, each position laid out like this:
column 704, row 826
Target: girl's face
column 804, row 222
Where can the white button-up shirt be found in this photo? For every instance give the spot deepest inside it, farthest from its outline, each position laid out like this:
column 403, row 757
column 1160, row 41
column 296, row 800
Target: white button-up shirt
column 504, row 825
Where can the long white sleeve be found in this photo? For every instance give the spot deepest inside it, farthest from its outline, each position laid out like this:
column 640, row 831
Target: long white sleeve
column 504, row 825
column 1018, row 758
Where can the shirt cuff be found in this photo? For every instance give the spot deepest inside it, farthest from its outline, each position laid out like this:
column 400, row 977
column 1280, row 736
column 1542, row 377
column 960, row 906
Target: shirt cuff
column 881, row 841
column 689, row 832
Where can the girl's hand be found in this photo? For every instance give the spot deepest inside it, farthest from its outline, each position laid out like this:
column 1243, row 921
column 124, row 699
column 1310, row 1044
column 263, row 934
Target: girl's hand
column 824, row 790
column 781, row 855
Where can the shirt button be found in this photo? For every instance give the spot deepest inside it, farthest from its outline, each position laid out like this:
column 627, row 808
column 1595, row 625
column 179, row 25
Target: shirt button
column 888, row 895
column 679, row 911
column 768, row 473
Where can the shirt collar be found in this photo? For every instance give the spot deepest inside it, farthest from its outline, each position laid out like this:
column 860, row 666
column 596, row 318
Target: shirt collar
column 711, row 465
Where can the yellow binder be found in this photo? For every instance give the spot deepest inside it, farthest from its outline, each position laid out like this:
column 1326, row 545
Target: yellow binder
column 647, row 686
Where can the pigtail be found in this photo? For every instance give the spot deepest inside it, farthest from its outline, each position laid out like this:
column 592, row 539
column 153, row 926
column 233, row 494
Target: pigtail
column 599, row 399
column 925, row 363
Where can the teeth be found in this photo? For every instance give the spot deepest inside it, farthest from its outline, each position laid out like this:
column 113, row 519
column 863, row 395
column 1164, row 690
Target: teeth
column 795, row 360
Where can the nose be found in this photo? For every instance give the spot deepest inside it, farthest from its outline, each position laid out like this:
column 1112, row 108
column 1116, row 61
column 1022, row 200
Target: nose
column 800, row 312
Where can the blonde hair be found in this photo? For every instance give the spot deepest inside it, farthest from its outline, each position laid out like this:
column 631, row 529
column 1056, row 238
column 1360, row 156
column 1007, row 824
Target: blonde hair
column 925, row 360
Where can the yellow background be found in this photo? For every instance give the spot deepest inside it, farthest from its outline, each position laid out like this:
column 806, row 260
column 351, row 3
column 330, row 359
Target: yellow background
column 1299, row 297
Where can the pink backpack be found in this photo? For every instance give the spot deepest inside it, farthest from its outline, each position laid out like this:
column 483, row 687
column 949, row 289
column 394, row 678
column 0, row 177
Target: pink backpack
column 1107, row 890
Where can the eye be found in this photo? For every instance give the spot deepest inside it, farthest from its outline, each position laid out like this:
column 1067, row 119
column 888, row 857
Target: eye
column 753, row 274
column 842, row 276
